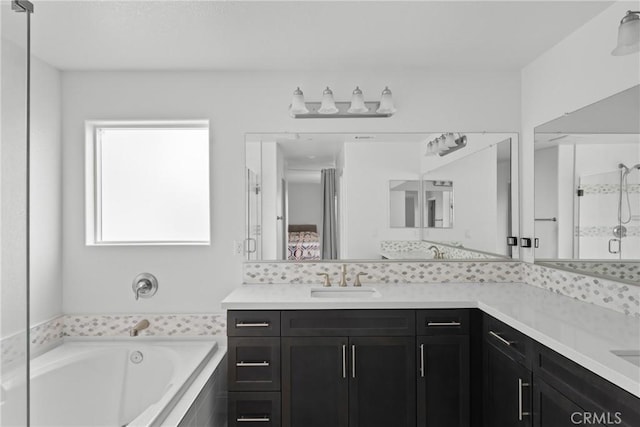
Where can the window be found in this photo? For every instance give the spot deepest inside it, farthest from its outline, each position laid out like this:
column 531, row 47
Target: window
column 147, row 183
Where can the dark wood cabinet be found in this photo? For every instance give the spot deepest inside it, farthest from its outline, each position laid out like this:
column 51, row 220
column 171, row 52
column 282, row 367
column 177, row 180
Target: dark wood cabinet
column 315, row 381
column 554, row 409
column 382, row 390
column 507, row 391
column 443, row 385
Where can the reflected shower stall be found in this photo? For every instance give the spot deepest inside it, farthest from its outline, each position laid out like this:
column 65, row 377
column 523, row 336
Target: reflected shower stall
column 609, row 214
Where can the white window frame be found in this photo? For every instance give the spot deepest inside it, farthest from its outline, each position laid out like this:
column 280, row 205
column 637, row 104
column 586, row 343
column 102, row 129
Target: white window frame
column 93, row 220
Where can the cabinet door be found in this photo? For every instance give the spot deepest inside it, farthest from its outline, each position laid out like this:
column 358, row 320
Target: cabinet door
column 443, row 381
column 382, row 390
column 554, row 409
column 315, row 382
column 507, row 390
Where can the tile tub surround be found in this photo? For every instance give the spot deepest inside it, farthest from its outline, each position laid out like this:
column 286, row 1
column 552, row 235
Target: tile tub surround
column 585, row 333
column 384, row 272
column 621, row 297
column 83, row 325
column 48, row 334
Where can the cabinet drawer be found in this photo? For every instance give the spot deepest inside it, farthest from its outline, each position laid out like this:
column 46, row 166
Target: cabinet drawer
column 254, row 409
column 262, row 323
column 511, row 342
column 348, row 323
column 254, row 364
column 442, row 322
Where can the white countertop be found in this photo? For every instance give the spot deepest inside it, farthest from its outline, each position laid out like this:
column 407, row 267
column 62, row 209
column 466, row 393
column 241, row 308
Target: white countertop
column 584, row 333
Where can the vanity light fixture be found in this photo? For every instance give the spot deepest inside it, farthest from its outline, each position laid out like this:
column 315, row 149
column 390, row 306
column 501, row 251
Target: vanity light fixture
column 445, row 144
column 329, row 108
column 628, row 34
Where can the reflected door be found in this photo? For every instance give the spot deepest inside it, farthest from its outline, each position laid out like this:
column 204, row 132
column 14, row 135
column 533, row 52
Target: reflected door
column 253, row 243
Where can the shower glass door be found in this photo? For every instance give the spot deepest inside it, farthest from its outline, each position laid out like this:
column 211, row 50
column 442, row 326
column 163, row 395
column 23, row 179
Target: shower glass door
column 609, row 223
column 13, row 215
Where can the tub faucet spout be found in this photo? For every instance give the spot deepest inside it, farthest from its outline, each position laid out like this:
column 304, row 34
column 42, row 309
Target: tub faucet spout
column 143, row 324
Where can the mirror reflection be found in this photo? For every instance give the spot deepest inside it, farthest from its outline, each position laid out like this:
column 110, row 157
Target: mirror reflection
column 404, row 203
column 587, row 189
column 327, row 196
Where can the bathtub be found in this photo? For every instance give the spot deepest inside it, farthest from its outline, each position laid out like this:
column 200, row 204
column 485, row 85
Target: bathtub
column 114, row 382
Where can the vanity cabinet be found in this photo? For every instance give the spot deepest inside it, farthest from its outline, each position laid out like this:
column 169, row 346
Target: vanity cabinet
column 507, row 376
column 443, row 375
column 337, row 373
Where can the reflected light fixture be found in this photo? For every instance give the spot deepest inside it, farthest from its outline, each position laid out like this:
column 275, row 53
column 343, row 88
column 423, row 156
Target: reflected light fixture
column 445, row 144
column 328, row 105
column 329, row 108
column 297, row 103
column 357, row 102
column 628, row 34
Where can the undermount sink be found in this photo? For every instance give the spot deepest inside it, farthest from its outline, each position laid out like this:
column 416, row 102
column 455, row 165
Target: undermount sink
column 631, row 356
column 346, row 292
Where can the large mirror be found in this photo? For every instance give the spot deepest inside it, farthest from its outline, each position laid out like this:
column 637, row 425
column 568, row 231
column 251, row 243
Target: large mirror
column 587, row 189
column 328, row 196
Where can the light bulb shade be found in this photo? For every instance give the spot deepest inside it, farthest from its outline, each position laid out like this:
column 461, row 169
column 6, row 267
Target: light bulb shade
column 298, row 105
column 328, row 105
column 431, row 151
column 357, row 103
column 386, row 103
column 628, row 35
column 450, row 140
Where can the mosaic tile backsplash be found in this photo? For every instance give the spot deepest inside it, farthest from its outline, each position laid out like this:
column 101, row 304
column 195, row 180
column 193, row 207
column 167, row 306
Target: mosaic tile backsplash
column 623, row 270
column 613, row 295
column 412, row 249
column 384, row 272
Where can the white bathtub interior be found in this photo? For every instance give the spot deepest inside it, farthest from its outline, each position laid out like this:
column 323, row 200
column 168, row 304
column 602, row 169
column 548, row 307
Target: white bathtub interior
column 114, row 382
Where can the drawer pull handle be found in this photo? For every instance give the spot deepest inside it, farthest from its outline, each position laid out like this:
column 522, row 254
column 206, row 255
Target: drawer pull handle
column 242, row 364
column 452, row 323
column 422, row 360
column 499, row 338
column 264, row 419
column 520, row 412
column 253, row 325
column 344, row 361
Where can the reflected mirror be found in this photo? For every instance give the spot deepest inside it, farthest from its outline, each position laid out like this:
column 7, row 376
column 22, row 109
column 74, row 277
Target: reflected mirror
column 404, row 204
column 587, row 189
column 327, row 196
column 438, row 204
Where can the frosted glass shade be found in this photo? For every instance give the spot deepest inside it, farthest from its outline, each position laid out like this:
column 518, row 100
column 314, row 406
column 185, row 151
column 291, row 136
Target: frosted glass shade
column 298, row 105
column 386, row 103
column 628, row 35
column 357, row 103
column 450, row 140
column 328, row 105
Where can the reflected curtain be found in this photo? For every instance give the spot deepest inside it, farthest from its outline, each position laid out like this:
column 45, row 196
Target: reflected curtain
column 329, row 217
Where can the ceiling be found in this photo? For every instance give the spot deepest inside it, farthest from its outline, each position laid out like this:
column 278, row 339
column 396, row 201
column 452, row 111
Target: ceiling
column 302, row 35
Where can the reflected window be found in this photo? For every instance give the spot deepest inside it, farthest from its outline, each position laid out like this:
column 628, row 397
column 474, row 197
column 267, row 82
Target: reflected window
column 147, row 183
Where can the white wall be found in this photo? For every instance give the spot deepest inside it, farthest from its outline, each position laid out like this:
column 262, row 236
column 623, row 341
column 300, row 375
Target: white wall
column 195, row 279
column 546, row 197
column 475, row 201
column 578, row 71
column 368, row 168
column 46, row 192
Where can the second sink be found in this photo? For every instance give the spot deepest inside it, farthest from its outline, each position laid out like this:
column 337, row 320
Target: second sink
column 350, row 292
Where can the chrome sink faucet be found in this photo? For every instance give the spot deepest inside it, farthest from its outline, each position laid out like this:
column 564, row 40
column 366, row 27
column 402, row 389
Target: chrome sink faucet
column 343, row 276
column 143, row 324
column 437, row 253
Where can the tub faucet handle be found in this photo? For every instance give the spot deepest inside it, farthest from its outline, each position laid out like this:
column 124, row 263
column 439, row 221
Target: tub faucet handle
column 143, row 324
column 144, row 285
